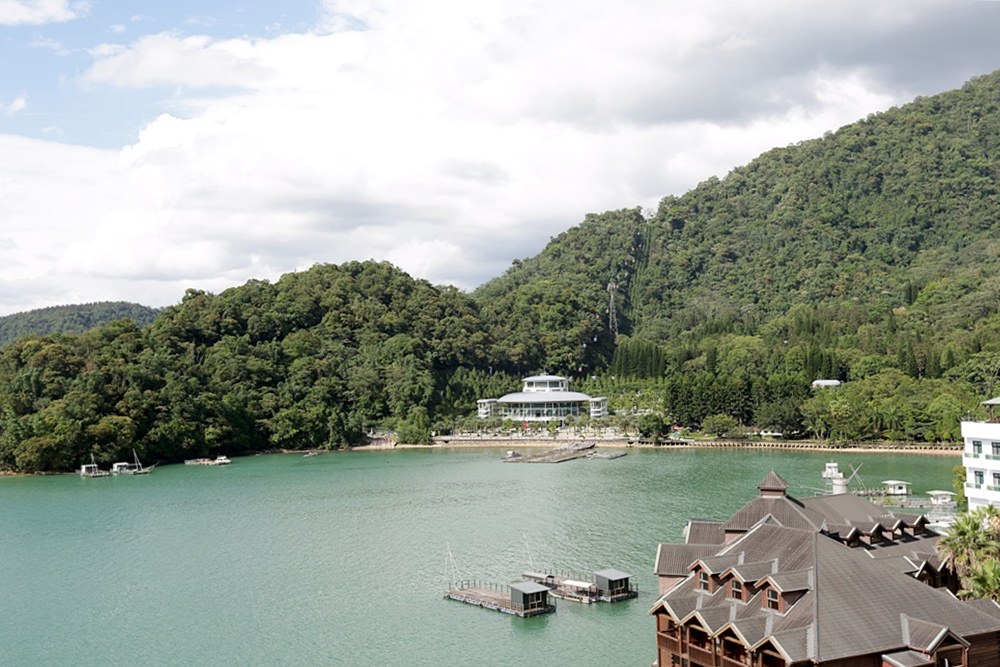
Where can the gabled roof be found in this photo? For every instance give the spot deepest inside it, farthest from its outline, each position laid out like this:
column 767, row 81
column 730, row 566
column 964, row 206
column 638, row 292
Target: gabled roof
column 751, row 572
column 854, row 605
column 925, row 636
column 907, row 659
column 674, row 560
column 788, row 582
column 772, row 482
column 699, row 531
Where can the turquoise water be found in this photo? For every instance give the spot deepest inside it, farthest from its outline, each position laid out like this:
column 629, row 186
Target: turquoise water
column 342, row 558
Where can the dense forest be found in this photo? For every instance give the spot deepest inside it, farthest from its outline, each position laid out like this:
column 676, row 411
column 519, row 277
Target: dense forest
column 869, row 256
column 71, row 319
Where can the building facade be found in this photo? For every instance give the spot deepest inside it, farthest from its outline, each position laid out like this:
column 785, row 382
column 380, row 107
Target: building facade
column 543, row 398
column 831, row 580
column 981, row 458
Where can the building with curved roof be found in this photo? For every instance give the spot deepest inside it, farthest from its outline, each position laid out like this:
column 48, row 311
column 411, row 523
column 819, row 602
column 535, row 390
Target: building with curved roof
column 543, row 398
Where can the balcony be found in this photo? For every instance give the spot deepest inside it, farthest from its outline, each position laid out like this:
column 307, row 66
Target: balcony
column 970, row 485
column 704, row 656
column 669, row 643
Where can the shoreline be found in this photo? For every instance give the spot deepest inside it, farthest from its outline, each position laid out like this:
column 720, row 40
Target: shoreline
column 623, row 443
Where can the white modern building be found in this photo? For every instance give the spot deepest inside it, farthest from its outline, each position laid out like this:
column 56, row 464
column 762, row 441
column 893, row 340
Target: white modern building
column 981, row 458
column 543, row 398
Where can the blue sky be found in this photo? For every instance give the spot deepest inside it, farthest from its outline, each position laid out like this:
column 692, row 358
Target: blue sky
column 42, row 63
column 151, row 147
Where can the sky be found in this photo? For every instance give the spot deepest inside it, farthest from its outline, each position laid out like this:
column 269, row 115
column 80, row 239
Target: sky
column 151, row 147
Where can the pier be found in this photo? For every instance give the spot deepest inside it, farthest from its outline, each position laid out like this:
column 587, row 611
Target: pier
column 608, row 586
column 520, row 598
column 577, row 450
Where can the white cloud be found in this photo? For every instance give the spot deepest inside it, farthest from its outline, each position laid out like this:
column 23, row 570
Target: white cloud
column 16, row 105
column 38, row 12
column 446, row 137
column 50, row 44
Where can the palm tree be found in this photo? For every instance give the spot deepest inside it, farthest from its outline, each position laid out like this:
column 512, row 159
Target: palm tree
column 967, row 543
column 983, row 581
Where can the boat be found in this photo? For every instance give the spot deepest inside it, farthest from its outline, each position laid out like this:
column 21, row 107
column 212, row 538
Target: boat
column 126, row 468
column 220, row 460
column 91, row 469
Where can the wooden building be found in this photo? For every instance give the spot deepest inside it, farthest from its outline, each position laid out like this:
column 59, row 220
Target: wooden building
column 831, row 581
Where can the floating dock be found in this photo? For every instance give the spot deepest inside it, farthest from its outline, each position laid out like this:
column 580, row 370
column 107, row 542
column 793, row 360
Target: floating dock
column 520, row 598
column 577, row 450
column 608, row 586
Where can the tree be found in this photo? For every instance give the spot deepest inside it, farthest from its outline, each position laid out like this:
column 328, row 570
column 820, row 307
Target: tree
column 721, row 425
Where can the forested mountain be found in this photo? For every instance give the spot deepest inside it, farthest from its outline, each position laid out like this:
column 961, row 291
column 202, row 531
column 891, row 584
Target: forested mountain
column 71, row 319
column 311, row 361
column 870, row 255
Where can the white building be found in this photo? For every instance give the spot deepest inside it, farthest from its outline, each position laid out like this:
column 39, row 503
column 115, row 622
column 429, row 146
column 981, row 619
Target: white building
column 981, row 458
column 542, row 398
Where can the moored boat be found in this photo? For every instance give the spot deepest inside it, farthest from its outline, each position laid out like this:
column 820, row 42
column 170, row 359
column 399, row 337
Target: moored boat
column 133, row 468
column 91, row 469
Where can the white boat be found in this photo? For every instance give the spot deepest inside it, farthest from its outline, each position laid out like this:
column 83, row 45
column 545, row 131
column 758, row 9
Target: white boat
column 91, row 469
column 219, row 460
column 126, row 468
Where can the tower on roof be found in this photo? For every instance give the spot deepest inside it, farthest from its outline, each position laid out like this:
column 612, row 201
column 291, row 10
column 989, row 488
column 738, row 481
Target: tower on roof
column 773, row 485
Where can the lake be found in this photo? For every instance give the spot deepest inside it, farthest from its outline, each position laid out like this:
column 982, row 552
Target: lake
column 343, row 558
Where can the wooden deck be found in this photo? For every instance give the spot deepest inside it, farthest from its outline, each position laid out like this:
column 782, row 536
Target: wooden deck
column 491, row 596
column 577, row 450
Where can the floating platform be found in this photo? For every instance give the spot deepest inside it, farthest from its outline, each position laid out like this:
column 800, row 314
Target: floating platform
column 578, row 450
column 520, row 598
column 608, row 586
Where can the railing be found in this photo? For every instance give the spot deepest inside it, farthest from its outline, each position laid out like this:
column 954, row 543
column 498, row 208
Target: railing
column 701, row 655
column 970, row 485
column 670, row 643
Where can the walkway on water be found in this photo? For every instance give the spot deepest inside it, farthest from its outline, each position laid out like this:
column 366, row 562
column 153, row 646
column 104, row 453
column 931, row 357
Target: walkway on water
column 792, row 445
column 496, row 597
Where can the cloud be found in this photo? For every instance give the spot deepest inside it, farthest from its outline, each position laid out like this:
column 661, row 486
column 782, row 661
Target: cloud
column 50, row 44
column 446, row 137
column 38, row 12
column 16, row 105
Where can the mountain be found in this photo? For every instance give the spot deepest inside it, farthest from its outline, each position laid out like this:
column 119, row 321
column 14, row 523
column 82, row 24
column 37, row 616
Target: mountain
column 888, row 222
column 71, row 319
column 869, row 256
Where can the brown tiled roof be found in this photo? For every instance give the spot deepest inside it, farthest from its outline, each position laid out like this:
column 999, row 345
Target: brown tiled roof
column 704, row 532
column 772, row 482
column 907, row 659
column 923, row 635
column 752, row 572
column 854, row 607
column 785, row 510
column 786, row 582
column 673, row 560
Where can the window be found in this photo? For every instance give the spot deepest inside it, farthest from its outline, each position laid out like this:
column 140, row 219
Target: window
column 703, row 580
column 996, row 448
column 736, row 589
column 996, row 479
column 772, row 599
column 978, row 476
column 977, row 447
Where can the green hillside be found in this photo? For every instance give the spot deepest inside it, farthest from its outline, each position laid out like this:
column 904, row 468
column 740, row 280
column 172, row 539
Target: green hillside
column 869, row 256
column 71, row 319
column 871, row 253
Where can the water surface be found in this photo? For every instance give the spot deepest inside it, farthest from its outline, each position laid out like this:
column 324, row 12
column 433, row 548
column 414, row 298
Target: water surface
column 342, row 558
